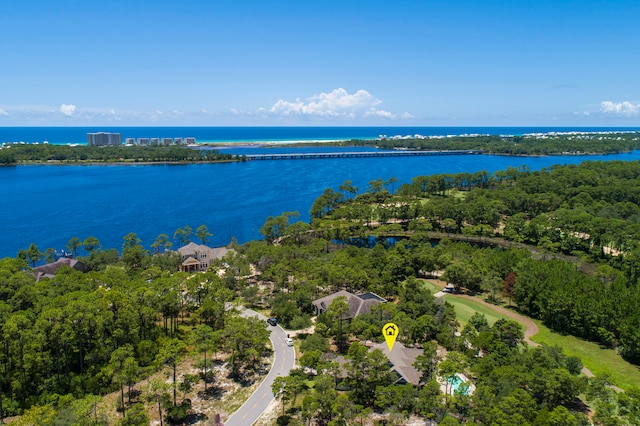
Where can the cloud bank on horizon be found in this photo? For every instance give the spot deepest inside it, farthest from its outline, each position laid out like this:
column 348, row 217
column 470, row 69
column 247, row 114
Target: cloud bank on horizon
column 336, row 106
column 625, row 109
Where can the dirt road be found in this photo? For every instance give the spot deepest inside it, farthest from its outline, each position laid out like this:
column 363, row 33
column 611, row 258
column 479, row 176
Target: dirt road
column 530, row 327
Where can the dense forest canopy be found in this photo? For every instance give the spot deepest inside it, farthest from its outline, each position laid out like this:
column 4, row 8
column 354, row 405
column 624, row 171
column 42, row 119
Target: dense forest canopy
column 50, row 153
column 532, row 144
column 590, row 211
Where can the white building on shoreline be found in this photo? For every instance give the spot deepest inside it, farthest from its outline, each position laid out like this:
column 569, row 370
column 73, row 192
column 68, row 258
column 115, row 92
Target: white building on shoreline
column 104, row 139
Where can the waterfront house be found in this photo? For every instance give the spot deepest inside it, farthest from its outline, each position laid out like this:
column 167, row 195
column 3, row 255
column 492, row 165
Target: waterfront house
column 50, row 269
column 198, row 257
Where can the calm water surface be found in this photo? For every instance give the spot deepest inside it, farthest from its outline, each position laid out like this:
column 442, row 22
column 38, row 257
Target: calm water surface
column 50, row 204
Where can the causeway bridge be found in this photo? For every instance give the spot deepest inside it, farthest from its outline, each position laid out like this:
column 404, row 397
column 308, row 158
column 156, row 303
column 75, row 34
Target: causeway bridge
column 355, row 154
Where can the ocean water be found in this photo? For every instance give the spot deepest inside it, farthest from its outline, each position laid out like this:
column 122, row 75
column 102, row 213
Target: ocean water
column 48, row 205
column 63, row 135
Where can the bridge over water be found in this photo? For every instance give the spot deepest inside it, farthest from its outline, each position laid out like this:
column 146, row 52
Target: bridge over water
column 321, row 155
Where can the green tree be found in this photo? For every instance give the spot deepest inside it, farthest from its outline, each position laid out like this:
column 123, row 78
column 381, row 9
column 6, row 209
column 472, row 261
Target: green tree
column 203, row 233
column 338, row 313
column 560, row 416
column 275, row 227
column 170, row 353
column 161, row 241
column 280, row 390
column 137, row 417
column 185, row 386
column 183, row 235
column 453, row 364
column 462, row 274
column 375, row 186
column 37, row 415
column 348, row 189
column 246, row 339
column 90, row 244
column 156, row 392
column 132, row 251
column 33, row 254
column 324, row 396
column 50, row 254
column 491, row 282
column 203, row 336
column 85, row 411
column 117, row 366
column 367, row 371
column 427, row 362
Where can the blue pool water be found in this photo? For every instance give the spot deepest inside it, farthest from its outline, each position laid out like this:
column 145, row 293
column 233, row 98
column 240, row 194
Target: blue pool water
column 456, row 382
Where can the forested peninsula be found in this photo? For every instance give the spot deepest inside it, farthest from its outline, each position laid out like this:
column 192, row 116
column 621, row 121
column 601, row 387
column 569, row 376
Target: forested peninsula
column 132, row 339
column 16, row 154
column 533, row 144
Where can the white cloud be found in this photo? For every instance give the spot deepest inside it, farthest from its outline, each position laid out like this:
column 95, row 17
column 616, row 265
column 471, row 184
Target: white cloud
column 337, row 103
column 625, row 108
column 379, row 113
column 68, row 110
column 3, row 112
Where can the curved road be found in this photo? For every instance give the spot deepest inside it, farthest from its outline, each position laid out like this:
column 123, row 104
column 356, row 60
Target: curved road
column 283, row 361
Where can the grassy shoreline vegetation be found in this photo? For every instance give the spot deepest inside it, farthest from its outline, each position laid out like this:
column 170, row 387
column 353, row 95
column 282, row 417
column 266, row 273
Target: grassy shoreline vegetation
column 579, row 143
column 70, row 339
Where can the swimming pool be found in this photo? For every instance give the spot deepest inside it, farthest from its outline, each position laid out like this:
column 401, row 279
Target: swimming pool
column 458, row 385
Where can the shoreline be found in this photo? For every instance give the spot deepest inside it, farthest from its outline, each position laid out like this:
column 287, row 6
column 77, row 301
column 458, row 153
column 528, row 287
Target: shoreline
column 270, row 143
column 119, row 163
column 239, row 158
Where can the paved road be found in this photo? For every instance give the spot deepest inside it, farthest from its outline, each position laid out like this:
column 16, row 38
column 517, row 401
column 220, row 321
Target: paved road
column 283, row 362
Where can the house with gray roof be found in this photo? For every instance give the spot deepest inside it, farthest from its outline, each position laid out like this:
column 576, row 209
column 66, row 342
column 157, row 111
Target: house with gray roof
column 401, row 361
column 358, row 304
column 50, row 269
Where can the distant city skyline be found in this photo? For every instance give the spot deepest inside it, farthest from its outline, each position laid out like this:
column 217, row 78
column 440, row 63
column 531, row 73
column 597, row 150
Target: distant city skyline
column 335, row 63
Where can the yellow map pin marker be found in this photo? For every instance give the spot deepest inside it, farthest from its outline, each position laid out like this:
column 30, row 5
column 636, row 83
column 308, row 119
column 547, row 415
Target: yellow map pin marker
column 390, row 332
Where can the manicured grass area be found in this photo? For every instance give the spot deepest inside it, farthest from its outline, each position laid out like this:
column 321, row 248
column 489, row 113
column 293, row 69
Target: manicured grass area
column 433, row 288
column 596, row 358
column 465, row 309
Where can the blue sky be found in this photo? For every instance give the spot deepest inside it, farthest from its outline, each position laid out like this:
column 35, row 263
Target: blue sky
column 244, row 62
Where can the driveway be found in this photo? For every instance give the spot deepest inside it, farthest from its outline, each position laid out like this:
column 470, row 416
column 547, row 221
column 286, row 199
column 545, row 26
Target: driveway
column 283, row 361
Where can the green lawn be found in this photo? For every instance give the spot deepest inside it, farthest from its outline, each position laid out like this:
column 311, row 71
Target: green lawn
column 596, row 358
column 431, row 286
column 465, row 309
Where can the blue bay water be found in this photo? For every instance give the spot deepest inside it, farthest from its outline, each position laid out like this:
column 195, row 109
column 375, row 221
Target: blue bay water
column 48, row 205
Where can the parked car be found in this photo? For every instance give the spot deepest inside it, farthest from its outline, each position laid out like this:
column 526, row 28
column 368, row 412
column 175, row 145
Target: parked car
column 272, row 321
column 289, row 341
